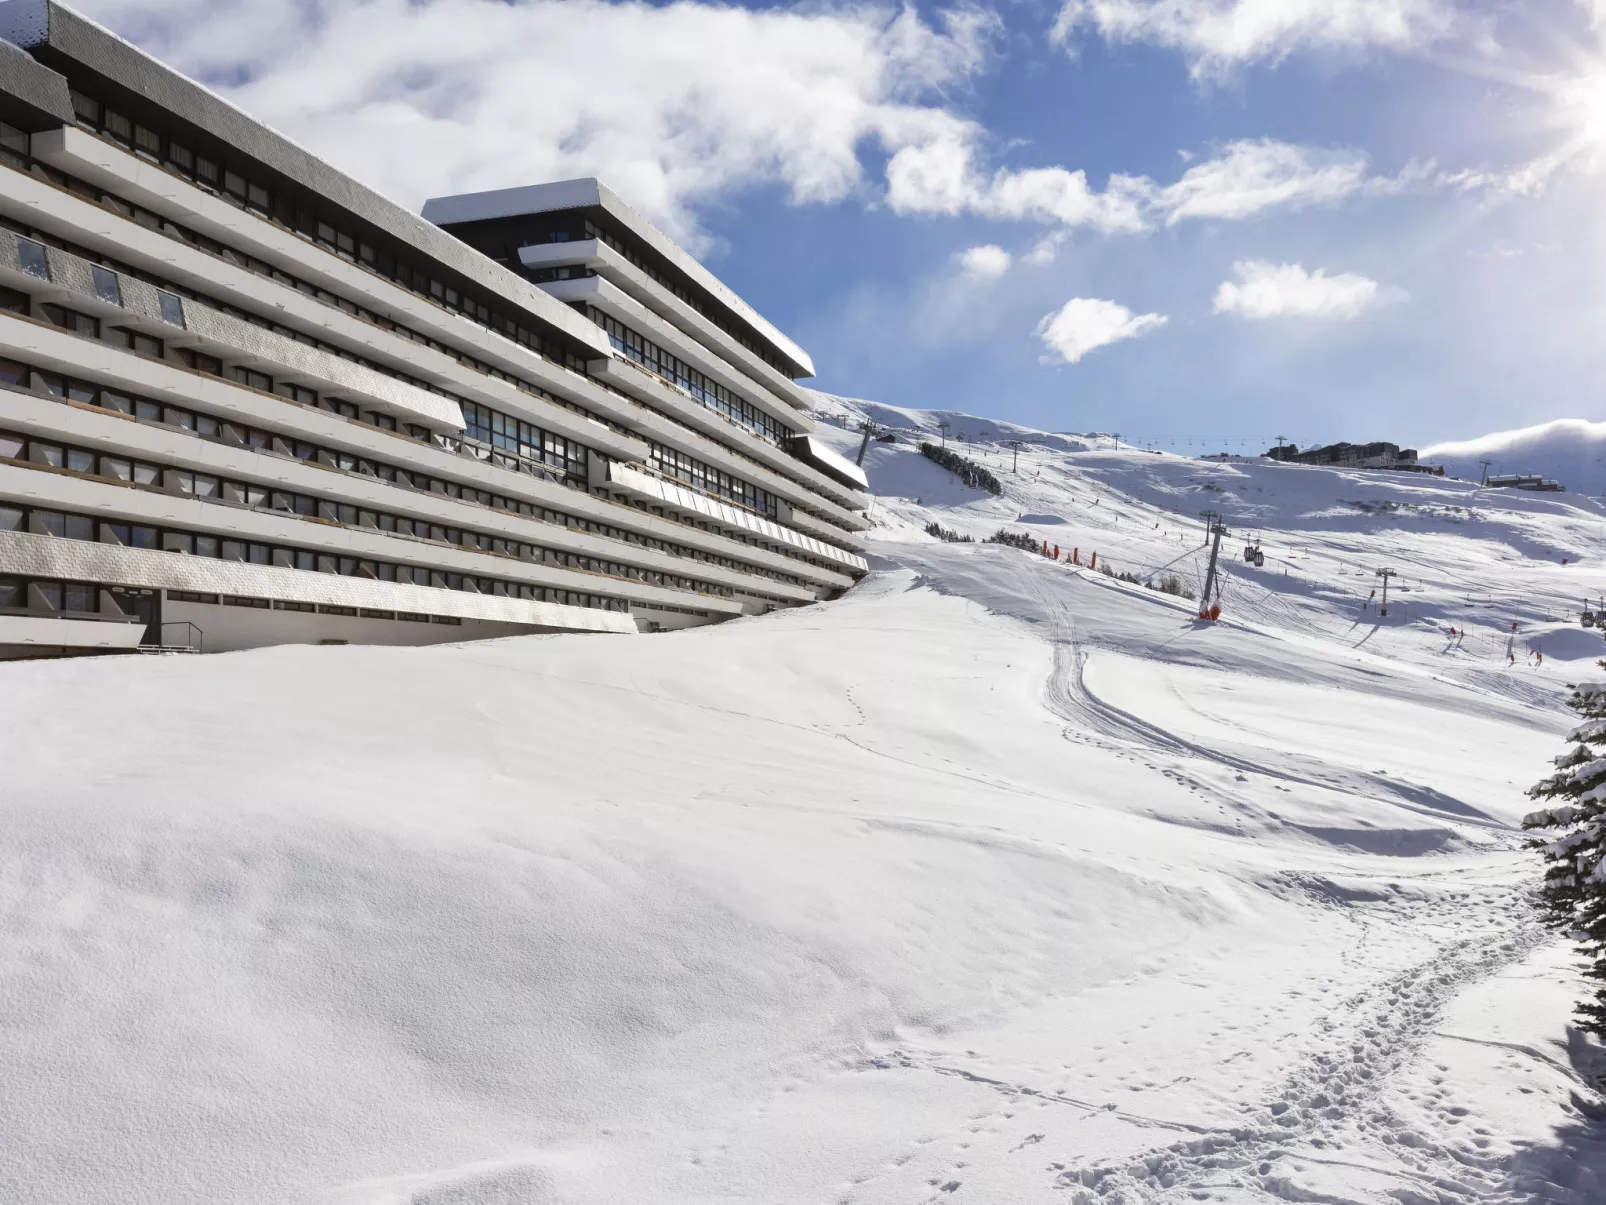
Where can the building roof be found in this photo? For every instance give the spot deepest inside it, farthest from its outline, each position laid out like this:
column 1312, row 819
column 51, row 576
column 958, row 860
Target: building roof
column 591, row 193
column 59, row 37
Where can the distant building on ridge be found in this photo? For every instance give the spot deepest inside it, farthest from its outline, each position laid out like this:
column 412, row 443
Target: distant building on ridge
column 1356, row 456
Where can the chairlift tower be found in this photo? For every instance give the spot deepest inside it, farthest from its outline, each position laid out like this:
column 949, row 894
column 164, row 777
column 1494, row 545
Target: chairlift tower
column 1217, row 528
column 1015, row 463
column 943, row 427
column 1385, row 574
column 869, row 428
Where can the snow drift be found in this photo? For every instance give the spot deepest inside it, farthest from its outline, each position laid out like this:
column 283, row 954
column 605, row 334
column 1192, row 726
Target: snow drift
column 998, row 880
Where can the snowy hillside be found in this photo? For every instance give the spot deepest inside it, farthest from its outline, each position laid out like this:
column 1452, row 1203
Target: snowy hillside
column 997, row 881
column 1569, row 450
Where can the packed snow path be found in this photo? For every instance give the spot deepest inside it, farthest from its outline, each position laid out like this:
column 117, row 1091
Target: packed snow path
column 995, row 881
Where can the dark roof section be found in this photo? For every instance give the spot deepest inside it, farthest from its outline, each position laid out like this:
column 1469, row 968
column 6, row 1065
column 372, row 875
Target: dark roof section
column 59, row 37
column 594, row 199
column 32, row 96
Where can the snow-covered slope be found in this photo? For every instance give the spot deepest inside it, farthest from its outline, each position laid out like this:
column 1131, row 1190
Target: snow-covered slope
column 996, row 881
column 1569, row 450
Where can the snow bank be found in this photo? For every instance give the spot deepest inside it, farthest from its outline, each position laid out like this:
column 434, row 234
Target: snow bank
column 996, row 880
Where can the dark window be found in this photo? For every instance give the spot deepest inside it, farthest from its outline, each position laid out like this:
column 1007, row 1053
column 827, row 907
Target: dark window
column 144, row 345
column 106, row 286
column 11, row 518
column 31, row 257
column 144, row 537
column 72, row 320
column 201, row 362
column 172, row 306
column 80, row 597
column 46, row 595
column 12, row 301
column 87, row 108
column 148, row 140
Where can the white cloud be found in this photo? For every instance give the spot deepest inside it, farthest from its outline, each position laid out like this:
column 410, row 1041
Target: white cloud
column 987, row 262
column 1218, row 35
column 1085, row 324
column 1267, row 290
column 941, row 177
column 1249, row 177
column 1242, row 180
column 675, row 105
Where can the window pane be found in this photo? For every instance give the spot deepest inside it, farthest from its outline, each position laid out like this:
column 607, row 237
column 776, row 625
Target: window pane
column 31, row 257
column 10, row 447
column 43, row 453
column 12, row 593
column 80, row 527
column 106, row 286
column 48, row 593
column 206, row 546
column 81, row 597
column 10, row 518
column 80, row 462
column 116, row 466
column 172, row 308
column 143, row 537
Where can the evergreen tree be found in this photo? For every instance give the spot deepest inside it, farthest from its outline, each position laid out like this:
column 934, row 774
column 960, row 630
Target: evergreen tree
column 1574, row 893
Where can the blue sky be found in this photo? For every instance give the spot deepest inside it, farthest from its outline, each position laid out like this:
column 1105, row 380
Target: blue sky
column 1202, row 220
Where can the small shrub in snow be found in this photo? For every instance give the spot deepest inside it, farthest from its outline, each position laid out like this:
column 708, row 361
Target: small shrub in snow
column 968, row 471
column 945, row 535
column 1573, row 895
column 1172, row 584
column 1015, row 539
column 1108, row 570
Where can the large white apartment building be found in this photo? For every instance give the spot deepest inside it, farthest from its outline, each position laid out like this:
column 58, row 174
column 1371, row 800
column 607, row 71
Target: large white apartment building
column 245, row 400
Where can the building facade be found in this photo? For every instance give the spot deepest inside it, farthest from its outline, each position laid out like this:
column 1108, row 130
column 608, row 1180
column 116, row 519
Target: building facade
column 245, row 400
column 1378, row 455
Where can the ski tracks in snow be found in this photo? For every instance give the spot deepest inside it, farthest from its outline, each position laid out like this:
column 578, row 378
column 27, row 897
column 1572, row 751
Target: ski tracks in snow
column 1328, row 1111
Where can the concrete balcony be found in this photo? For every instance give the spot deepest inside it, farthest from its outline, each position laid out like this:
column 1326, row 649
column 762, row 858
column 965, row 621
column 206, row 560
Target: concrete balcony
column 619, row 305
column 666, row 495
column 48, row 557
column 36, row 634
column 616, row 269
column 81, row 154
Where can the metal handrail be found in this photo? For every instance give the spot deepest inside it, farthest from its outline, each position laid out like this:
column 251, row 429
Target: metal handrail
column 200, row 636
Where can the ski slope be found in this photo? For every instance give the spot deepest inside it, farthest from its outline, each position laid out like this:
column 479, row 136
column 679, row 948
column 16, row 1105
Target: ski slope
column 996, row 881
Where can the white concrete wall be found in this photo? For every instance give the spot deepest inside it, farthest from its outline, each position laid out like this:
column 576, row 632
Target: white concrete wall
column 228, row 629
